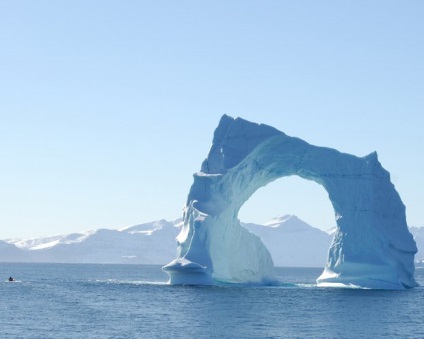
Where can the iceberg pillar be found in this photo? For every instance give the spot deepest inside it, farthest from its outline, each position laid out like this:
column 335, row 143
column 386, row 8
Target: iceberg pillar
column 372, row 247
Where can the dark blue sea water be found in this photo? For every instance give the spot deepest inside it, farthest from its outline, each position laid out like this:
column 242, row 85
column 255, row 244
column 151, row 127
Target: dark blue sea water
column 132, row 301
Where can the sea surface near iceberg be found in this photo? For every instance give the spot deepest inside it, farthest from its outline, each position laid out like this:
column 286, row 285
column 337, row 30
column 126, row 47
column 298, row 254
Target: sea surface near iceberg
column 134, row 301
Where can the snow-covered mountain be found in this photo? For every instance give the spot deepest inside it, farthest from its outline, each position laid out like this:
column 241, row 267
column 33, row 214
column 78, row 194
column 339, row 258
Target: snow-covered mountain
column 418, row 233
column 291, row 242
column 10, row 253
column 150, row 243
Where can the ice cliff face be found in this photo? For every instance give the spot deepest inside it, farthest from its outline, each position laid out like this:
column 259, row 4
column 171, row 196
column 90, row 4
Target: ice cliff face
column 372, row 246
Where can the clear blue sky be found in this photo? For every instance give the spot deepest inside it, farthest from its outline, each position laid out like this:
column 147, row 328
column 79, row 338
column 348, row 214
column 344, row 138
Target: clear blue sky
column 107, row 108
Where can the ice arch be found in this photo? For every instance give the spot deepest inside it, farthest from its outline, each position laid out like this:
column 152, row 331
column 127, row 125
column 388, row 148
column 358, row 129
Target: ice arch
column 372, row 247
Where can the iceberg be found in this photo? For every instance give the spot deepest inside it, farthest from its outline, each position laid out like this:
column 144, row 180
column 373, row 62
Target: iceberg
column 371, row 248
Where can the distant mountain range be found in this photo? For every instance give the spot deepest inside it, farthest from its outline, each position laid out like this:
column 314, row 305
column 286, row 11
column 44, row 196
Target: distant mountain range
column 418, row 233
column 150, row 243
column 291, row 242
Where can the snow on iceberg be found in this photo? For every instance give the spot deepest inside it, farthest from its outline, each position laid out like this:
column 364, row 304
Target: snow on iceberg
column 372, row 247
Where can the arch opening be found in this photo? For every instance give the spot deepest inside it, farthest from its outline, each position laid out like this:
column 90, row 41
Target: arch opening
column 290, row 195
column 294, row 219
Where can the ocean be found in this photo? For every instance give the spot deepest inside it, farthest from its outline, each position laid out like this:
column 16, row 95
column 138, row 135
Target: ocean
column 134, row 301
